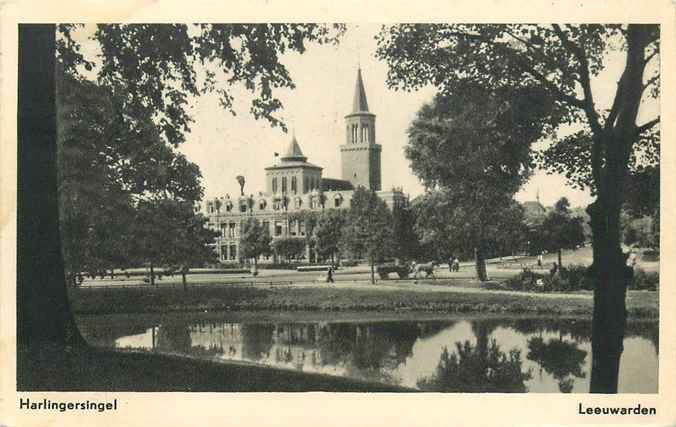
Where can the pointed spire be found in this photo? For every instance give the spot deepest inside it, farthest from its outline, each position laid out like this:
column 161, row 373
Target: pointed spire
column 359, row 103
column 293, row 151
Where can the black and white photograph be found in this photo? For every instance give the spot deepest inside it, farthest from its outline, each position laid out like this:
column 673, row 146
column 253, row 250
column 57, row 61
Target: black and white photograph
column 313, row 206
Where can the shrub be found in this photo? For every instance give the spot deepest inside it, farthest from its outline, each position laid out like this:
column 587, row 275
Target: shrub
column 643, row 280
column 527, row 280
column 573, row 278
column 650, row 255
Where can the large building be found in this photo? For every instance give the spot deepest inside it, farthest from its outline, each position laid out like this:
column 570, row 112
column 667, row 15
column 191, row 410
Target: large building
column 293, row 184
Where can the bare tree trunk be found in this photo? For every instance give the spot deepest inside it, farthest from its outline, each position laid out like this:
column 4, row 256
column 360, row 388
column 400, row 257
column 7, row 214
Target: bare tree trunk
column 184, row 279
column 609, row 268
column 152, row 274
column 559, row 256
column 480, row 264
column 46, row 331
column 609, row 317
column 373, row 274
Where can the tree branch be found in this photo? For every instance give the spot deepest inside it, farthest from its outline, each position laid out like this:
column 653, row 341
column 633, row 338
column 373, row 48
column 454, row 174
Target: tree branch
column 584, row 80
column 653, row 54
column 647, row 125
column 651, row 81
column 539, row 76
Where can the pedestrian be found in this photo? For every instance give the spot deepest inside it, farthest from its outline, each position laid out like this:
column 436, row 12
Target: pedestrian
column 329, row 275
column 554, row 269
column 451, row 260
column 540, row 260
column 456, row 265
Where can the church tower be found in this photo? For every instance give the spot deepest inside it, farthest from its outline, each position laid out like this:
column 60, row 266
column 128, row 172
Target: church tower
column 360, row 155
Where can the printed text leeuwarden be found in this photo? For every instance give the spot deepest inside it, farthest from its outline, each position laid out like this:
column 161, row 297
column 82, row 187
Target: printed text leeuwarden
column 616, row 410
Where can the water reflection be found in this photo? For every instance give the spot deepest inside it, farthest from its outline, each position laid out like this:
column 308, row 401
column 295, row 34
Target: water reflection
column 562, row 359
column 479, row 355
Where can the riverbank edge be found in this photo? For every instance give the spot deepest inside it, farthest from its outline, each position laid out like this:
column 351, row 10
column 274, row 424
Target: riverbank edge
column 640, row 305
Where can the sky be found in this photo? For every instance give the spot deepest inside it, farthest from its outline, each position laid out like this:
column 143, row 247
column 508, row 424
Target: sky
column 224, row 146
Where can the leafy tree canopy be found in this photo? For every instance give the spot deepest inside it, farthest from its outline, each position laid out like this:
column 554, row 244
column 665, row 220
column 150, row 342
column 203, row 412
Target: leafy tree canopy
column 152, row 67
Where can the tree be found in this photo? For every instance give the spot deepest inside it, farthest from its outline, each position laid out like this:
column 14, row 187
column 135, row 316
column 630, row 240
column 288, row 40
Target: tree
column 368, row 228
column 190, row 239
column 474, row 148
column 327, row 233
column 560, row 230
column 254, row 240
column 404, row 238
column 290, row 248
column 152, row 65
column 106, row 166
column 560, row 61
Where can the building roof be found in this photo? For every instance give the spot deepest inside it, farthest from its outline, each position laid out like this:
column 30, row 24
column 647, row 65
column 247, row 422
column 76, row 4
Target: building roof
column 293, row 151
column 293, row 164
column 333, row 184
column 359, row 103
column 533, row 206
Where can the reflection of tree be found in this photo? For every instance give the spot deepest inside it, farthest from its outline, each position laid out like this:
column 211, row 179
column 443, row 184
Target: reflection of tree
column 473, row 369
column 174, row 337
column 563, row 360
column 645, row 329
column 578, row 330
column 256, row 340
column 367, row 350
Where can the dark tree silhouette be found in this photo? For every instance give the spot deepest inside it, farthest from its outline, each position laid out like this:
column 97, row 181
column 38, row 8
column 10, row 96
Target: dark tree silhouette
column 48, row 340
column 561, row 61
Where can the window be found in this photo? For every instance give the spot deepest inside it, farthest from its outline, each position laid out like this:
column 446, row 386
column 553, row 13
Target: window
column 278, row 228
column 231, row 229
column 274, row 185
column 301, row 227
column 242, row 207
column 298, row 202
column 224, row 253
column 283, row 184
column 228, row 206
column 306, row 184
column 337, row 200
column 233, row 252
column 294, row 186
column 292, row 227
column 262, row 204
column 223, row 229
column 266, row 226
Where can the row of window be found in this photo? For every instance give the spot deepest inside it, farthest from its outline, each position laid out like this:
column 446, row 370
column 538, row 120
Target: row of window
column 358, row 133
column 228, row 252
column 282, row 204
column 309, row 183
column 296, row 228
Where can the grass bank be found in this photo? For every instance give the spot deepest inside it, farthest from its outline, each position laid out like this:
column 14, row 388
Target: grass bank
column 92, row 369
column 395, row 297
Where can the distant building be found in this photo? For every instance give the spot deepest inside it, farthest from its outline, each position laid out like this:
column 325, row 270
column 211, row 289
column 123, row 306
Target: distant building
column 293, row 185
column 534, row 213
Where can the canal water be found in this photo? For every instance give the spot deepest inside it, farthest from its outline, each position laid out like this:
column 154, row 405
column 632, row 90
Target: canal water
column 467, row 355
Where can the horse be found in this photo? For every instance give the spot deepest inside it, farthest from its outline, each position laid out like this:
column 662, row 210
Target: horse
column 427, row 268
